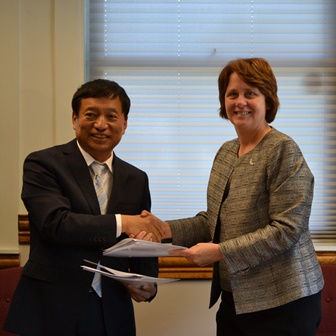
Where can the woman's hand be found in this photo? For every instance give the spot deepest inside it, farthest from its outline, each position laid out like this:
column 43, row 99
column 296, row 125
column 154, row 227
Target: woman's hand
column 202, row 254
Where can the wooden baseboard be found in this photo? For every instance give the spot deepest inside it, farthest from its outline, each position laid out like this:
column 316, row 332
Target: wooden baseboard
column 170, row 267
column 181, row 268
column 24, row 230
column 326, row 257
column 9, row 260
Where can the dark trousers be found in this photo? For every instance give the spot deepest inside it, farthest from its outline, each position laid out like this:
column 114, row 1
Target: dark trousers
column 297, row 318
column 91, row 321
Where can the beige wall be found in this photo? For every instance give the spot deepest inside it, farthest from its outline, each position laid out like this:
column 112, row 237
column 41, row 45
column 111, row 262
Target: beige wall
column 10, row 126
column 42, row 64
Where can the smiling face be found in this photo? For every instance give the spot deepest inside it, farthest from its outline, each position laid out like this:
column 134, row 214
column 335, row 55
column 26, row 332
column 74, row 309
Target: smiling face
column 245, row 105
column 99, row 126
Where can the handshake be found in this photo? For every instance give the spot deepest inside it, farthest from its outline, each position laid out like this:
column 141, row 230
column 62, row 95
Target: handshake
column 145, row 224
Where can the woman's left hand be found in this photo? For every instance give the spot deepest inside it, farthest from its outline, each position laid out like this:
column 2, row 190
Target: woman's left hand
column 202, row 254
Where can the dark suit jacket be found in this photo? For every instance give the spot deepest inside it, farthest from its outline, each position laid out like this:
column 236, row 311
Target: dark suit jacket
column 66, row 227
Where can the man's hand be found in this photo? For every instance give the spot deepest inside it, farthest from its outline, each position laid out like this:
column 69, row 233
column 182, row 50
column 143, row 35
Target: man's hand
column 202, row 254
column 133, row 225
column 140, row 294
column 159, row 222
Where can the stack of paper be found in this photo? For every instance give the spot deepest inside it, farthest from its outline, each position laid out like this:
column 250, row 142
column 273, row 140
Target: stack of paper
column 128, row 248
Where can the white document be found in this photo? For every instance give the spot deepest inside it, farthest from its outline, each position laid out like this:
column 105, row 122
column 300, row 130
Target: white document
column 134, row 279
column 131, row 247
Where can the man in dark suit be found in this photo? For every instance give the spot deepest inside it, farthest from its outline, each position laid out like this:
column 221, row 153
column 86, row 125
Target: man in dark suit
column 54, row 295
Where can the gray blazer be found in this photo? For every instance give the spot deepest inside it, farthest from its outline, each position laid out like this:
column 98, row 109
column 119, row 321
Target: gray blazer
column 269, row 257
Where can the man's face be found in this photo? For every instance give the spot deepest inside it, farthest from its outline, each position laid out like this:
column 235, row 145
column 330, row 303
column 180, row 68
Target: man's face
column 99, row 126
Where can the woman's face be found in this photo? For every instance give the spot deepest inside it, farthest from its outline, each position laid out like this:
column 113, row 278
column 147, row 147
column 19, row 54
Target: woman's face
column 245, row 105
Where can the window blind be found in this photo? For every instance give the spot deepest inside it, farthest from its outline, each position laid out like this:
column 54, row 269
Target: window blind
column 168, row 55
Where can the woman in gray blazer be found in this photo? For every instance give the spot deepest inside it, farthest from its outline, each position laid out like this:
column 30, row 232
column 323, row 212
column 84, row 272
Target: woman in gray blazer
column 258, row 206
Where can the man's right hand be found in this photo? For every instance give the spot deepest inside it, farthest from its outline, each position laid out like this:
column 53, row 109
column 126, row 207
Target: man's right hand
column 163, row 224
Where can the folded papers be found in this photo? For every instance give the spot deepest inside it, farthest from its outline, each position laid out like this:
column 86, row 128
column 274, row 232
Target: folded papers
column 131, row 247
column 134, row 279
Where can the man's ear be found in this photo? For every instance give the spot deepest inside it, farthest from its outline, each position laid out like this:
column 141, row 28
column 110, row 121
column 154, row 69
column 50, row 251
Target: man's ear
column 125, row 125
column 74, row 120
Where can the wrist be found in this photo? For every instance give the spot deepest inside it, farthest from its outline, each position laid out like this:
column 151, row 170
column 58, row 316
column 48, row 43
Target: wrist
column 124, row 223
column 219, row 253
column 167, row 230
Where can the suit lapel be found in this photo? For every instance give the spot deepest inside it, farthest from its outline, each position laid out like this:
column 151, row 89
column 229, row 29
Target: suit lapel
column 120, row 175
column 81, row 174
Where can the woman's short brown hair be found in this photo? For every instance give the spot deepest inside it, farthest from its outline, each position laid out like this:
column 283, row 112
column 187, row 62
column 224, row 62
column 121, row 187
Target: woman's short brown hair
column 255, row 72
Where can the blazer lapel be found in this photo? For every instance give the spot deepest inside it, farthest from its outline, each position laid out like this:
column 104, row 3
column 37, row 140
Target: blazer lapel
column 224, row 164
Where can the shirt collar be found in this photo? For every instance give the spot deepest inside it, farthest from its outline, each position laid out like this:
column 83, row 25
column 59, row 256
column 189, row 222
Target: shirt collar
column 89, row 159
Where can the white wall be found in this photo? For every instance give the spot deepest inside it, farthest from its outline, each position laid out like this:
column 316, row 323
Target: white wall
column 42, row 64
column 180, row 309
